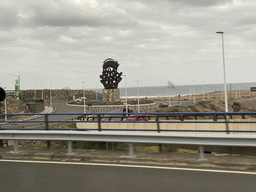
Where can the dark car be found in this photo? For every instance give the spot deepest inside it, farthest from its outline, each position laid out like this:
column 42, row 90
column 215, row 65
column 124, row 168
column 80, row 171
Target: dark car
column 163, row 105
column 128, row 110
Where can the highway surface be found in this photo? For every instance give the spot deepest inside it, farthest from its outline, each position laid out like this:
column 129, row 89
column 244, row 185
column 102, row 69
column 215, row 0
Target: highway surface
column 64, row 176
column 63, row 108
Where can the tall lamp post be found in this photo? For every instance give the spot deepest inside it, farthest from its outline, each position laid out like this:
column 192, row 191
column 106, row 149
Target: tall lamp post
column 42, row 90
column 5, row 107
column 50, row 94
column 225, row 87
column 96, row 92
column 138, row 96
column 84, row 97
column 170, row 86
column 35, row 90
column 203, row 90
column 194, row 91
column 126, row 110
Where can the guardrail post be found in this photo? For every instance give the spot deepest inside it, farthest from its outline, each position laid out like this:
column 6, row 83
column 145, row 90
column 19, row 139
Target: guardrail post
column 201, row 153
column 158, row 130
column 47, row 128
column 70, row 148
column 99, row 122
column 226, row 120
column 46, row 122
column 16, row 146
column 157, row 123
column 131, row 150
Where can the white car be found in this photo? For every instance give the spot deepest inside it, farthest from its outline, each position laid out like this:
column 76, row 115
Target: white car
column 81, row 99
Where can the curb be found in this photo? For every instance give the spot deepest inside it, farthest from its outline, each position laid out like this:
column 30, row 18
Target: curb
column 190, row 161
column 102, row 106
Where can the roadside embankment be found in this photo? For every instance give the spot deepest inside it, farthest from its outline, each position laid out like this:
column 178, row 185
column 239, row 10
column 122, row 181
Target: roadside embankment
column 218, row 161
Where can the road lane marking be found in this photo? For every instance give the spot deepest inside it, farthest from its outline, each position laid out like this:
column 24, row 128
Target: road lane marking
column 128, row 166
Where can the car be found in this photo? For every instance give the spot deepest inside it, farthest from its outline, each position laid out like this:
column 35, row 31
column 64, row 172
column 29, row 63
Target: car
column 163, row 105
column 139, row 118
column 80, row 99
column 128, row 110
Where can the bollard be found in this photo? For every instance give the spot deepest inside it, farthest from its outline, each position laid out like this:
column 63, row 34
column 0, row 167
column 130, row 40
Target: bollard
column 16, row 146
column 70, row 148
column 131, row 150
column 201, row 153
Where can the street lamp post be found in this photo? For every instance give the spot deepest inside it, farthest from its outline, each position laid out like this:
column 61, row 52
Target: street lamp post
column 225, row 87
column 194, row 91
column 42, row 90
column 138, row 96
column 126, row 109
column 5, row 107
column 170, row 86
column 35, row 90
column 50, row 94
column 208, row 91
column 203, row 90
column 169, row 94
column 84, row 97
column 96, row 92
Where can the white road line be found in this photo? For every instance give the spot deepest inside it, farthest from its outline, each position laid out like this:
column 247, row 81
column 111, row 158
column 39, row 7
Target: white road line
column 130, row 166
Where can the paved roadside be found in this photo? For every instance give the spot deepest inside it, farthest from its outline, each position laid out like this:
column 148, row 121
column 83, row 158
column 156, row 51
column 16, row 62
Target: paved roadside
column 228, row 162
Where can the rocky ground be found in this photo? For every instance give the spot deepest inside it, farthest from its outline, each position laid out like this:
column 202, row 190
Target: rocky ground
column 59, row 95
column 214, row 102
column 13, row 106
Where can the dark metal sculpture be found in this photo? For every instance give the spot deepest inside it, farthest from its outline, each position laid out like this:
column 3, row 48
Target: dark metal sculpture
column 110, row 77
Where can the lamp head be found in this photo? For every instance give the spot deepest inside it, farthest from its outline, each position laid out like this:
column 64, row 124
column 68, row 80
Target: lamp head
column 220, row 32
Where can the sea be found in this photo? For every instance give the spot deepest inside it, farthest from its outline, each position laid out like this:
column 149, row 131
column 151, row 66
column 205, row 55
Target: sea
column 182, row 90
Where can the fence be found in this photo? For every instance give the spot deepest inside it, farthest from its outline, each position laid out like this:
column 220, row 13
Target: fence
column 48, row 133
column 134, row 118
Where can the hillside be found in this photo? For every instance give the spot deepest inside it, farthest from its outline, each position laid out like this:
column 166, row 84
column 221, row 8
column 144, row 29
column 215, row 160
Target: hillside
column 59, row 95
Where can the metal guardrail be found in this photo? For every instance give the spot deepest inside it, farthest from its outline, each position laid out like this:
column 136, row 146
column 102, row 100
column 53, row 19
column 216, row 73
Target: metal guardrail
column 130, row 138
column 47, row 133
column 158, row 119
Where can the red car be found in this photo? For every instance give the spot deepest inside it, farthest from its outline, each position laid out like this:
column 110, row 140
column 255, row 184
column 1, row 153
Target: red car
column 140, row 118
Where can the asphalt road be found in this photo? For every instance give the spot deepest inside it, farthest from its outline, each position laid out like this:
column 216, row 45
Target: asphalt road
column 31, row 177
column 63, row 108
column 60, row 108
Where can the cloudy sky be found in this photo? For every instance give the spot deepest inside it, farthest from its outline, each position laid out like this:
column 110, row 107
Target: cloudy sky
column 66, row 41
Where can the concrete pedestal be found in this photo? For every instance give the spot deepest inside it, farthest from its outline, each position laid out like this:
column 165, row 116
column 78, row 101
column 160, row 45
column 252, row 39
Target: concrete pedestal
column 111, row 95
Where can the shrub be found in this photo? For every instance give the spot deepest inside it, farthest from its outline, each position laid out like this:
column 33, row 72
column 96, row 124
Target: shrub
column 72, row 102
column 236, row 106
column 174, row 109
column 202, row 104
column 213, row 107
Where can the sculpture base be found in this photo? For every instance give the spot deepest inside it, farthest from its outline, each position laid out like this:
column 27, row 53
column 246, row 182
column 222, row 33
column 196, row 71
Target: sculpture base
column 111, row 95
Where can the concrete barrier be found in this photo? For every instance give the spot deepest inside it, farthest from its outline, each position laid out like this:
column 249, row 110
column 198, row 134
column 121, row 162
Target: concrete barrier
column 168, row 127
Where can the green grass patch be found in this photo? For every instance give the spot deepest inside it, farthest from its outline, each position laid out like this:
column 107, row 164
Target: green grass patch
column 150, row 149
column 251, row 167
column 187, row 151
column 72, row 102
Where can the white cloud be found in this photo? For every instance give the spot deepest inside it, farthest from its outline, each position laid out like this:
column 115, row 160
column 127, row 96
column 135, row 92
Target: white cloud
column 167, row 38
